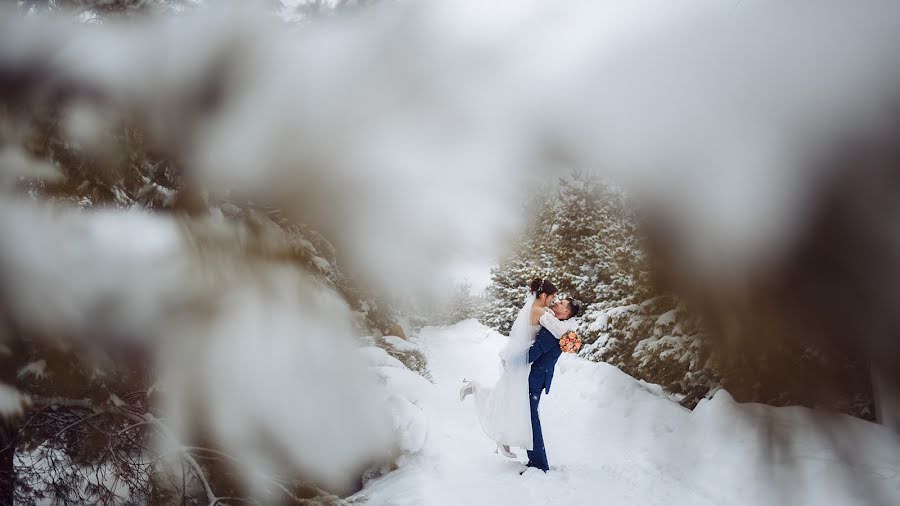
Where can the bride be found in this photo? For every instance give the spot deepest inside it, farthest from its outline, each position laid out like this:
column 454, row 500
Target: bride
column 504, row 410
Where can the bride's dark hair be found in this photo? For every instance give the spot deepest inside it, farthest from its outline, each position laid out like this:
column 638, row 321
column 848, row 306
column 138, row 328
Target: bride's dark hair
column 539, row 286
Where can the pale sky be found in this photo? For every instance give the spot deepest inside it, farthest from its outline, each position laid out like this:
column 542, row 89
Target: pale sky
column 477, row 273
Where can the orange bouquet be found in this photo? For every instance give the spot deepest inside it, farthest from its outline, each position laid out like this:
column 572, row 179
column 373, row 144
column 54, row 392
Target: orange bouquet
column 569, row 342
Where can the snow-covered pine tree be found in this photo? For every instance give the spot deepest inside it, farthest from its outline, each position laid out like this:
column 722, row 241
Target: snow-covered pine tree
column 584, row 236
column 595, row 240
column 531, row 257
column 461, row 306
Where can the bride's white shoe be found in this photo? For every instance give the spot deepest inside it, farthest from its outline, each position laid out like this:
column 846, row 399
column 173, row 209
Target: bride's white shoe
column 505, row 451
column 467, row 389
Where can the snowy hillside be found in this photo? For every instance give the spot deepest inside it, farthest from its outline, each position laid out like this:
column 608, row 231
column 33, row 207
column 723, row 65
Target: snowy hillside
column 614, row 440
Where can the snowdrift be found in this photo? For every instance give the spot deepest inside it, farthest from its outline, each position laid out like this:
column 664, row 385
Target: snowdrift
column 612, row 439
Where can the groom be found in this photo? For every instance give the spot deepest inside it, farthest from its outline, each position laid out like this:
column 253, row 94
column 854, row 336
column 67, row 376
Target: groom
column 542, row 356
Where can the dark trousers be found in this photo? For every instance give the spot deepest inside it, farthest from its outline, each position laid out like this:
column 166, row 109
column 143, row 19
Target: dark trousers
column 537, row 457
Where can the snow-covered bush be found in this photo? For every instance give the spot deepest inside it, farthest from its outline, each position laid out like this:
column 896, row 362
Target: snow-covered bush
column 408, row 393
column 657, row 340
column 405, row 352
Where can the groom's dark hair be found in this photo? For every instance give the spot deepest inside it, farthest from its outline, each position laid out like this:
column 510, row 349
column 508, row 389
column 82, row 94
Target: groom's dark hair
column 574, row 307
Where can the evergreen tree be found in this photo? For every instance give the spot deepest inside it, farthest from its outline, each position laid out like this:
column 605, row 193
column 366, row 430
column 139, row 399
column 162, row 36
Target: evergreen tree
column 584, row 236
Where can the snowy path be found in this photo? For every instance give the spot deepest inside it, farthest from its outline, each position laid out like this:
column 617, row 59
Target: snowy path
column 612, row 440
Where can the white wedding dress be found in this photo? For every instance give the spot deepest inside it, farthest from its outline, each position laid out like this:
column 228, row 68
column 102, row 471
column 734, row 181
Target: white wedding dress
column 504, row 410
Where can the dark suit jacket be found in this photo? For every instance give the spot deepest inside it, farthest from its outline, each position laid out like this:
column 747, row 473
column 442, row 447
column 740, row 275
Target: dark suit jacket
column 542, row 356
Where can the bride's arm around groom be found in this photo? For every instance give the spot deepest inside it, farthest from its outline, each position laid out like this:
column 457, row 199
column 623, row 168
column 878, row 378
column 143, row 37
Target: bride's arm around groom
column 556, row 327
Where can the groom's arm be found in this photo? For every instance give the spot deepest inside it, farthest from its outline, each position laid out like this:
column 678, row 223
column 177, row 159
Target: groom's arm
column 538, row 348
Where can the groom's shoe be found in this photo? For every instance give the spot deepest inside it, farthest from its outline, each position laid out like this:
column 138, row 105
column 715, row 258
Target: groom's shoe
column 467, row 389
column 531, row 465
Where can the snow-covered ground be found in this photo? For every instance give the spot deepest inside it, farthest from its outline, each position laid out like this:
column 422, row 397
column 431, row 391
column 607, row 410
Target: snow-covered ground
column 613, row 440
